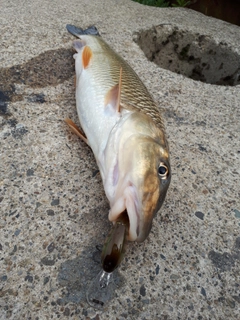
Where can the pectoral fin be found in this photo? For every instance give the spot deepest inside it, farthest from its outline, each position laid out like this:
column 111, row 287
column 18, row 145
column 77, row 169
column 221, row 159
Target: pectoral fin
column 113, row 96
column 74, row 128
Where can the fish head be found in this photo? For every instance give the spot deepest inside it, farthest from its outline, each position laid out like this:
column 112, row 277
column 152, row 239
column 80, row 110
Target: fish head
column 149, row 179
column 144, row 177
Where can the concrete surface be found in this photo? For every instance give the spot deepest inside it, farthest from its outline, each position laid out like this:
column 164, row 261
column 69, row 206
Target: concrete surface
column 53, row 207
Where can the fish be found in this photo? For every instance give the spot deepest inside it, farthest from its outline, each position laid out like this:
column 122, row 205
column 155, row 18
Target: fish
column 123, row 126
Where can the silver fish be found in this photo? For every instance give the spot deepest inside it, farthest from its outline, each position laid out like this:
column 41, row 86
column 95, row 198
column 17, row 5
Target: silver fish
column 124, row 128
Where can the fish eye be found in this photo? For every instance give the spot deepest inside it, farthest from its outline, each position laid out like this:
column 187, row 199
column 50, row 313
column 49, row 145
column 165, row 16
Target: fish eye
column 162, row 170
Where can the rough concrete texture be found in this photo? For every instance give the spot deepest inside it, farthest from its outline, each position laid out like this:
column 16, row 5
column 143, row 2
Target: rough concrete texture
column 53, row 207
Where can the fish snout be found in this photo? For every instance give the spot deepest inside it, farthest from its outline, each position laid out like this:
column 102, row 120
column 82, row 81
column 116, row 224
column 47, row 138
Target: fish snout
column 152, row 198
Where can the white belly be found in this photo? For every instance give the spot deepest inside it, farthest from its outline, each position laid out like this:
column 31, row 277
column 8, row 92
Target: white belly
column 95, row 119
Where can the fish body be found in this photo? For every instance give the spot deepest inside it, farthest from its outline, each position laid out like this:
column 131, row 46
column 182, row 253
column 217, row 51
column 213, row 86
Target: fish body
column 125, row 131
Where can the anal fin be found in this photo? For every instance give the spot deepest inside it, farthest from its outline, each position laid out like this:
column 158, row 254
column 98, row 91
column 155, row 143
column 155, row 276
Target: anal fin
column 74, row 128
column 86, row 56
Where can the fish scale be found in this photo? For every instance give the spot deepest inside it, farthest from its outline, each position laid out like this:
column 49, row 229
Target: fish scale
column 134, row 94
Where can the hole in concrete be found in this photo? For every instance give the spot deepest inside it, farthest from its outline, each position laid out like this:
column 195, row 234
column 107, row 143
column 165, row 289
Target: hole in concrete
column 195, row 56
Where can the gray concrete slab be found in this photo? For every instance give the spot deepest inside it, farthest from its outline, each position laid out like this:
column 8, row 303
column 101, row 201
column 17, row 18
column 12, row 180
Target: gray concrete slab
column 53, row 207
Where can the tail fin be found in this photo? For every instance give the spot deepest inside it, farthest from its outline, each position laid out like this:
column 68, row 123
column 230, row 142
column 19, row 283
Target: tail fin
column 79, row 31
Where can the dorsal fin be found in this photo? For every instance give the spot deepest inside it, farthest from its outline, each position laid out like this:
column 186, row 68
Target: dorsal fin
column 86, row 56
column 113, row 96
column 119, row 90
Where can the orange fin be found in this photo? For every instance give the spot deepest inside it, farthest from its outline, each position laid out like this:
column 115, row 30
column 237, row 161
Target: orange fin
column 76, row 130
column 86, row 56
column 113, row 96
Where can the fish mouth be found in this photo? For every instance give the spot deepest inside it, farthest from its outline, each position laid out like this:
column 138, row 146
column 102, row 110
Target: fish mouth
column 128, row 202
